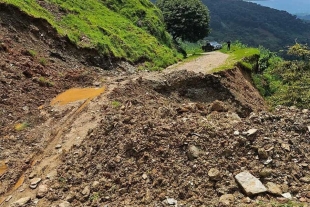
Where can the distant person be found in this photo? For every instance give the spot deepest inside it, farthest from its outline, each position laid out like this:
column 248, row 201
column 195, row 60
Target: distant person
column 228, row 45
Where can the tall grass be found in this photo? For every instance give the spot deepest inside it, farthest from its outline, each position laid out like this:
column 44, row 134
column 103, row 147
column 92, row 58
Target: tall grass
column 132, row 30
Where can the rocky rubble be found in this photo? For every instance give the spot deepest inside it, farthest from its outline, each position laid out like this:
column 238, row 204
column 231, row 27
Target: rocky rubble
column 147, row 152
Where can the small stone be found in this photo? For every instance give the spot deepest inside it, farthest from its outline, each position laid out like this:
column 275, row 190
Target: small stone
column 266, row 172
column 172, row 201
column 51, row 175
column 302, row 199
column 214, row 174
column 251, row 132
column 70, row 197
column 34, row 182
column 32, row 175
column 42, row 191
column 286, row 146
column 58, row 146
column 247, row 200
column 236, row 133
column 308, row 195
column 274, row 188
column 96, row 83
column 8, row 198
column 95, row 184
column 144, row 176
column 64, row 204
column 250, row 184
column 262, row 153
column 193, row 152
column 305, row 179
column 21, row 202
column 227, row 199
column 86, row 191
column 287, row 195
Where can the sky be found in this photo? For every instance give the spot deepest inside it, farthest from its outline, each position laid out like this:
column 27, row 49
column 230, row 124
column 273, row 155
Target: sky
column 291, row 6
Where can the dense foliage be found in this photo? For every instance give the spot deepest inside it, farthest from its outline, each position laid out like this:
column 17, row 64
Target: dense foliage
column 185, row 19
column 285, row 82
column 255, row 25
column 125, row 29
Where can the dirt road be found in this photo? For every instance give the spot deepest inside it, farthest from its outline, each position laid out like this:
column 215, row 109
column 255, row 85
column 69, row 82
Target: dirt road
column 204, row 64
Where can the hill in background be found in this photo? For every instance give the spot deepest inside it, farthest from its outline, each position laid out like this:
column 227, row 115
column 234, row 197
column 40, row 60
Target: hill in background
column 255, row 25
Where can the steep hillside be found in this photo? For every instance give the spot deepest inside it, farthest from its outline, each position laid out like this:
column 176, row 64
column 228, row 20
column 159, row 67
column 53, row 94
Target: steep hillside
column 255, row 25
column 133, row 31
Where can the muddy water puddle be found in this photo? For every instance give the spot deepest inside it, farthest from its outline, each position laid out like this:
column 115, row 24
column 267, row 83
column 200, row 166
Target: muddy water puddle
column 76, row 94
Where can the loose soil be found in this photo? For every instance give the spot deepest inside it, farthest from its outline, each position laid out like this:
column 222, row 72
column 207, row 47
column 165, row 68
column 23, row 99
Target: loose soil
column 132, row 144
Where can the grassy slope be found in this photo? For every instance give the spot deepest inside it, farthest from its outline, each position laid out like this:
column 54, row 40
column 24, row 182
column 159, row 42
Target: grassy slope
column 238, row 54
column 126, row 29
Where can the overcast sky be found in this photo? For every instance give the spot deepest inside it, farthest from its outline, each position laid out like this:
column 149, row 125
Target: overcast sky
column 292, row 6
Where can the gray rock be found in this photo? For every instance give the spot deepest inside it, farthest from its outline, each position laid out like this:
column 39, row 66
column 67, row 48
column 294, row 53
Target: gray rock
column 42, row 191
column 86, row 191
column 305, row 179
column 34, row 182
column 287, row 195
column 70, row 197
column 95, row 184
column 193, row 152
column 32, row 175
column 214, row 174
column 172, row 201
column 274, row 188
column 21, row 202
column 227, row 199
column 250, row 184
column 64, row 204
column 8, row 198
column 251, row 132
column 58, row 146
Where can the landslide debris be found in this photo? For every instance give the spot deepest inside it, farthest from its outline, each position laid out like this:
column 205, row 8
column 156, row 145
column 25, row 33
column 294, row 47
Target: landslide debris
column 154, row 149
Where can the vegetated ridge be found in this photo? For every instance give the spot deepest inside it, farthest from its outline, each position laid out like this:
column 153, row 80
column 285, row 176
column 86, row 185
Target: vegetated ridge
column 255, row 25
column 130, row 30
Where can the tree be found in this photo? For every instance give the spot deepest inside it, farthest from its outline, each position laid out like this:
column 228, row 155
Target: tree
column 185, row 19
column 299, row 50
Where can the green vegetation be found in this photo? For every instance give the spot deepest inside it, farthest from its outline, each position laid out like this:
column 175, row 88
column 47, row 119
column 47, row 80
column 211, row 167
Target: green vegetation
column 32, row 53
column 116, row 104
column 239, row 54
column 21, row 126
column 45, row 82
column 284, row 82
column 185, row 19
column 43, row 61
column 131, row 29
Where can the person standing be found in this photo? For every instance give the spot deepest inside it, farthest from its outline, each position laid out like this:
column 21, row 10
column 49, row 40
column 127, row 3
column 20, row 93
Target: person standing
column 228, row 45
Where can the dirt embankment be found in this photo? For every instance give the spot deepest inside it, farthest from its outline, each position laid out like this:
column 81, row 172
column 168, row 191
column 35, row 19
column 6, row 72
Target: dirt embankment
column 148, row 140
